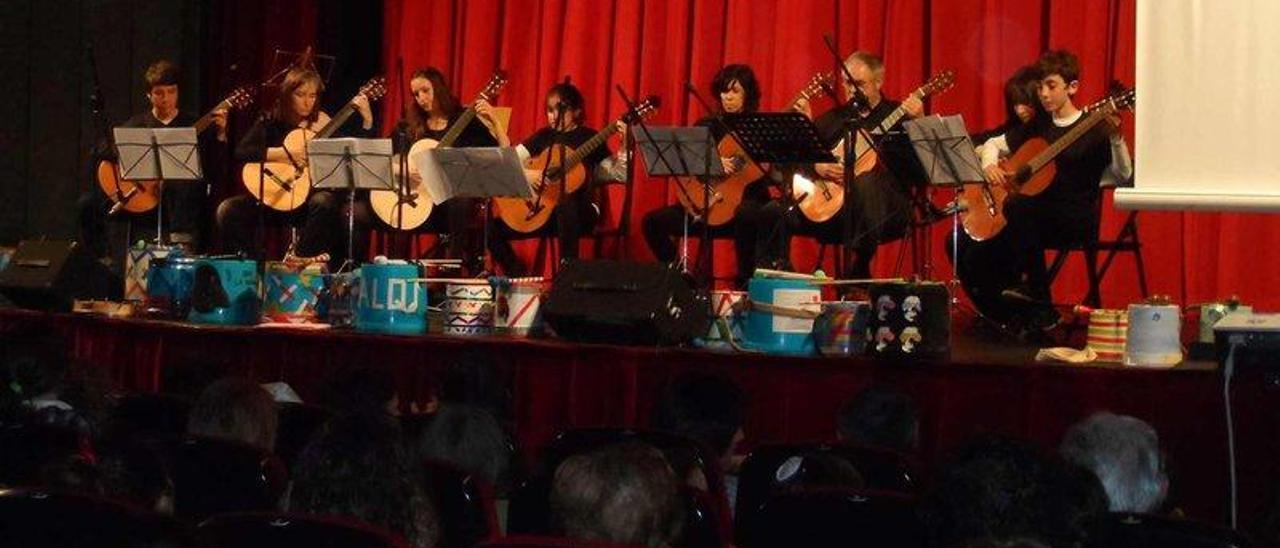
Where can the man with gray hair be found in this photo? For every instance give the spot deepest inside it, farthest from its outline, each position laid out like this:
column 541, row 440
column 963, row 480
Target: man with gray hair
column 1124, row 452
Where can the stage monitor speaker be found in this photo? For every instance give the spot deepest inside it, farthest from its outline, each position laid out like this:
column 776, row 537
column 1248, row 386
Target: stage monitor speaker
column 623, row 302
column 50, row 274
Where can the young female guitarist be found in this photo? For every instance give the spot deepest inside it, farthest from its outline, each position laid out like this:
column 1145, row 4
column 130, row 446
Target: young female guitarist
column 882, row 204
column 430, row 120
column 296, row 107
column 737, row 198
column 183, row 201
column 570, row 210
column 1065, row 211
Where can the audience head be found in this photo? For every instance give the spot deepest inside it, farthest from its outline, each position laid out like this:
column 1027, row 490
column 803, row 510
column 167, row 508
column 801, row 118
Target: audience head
column 880, row 417
column 990, row 489
column 479, row 379
column 237, row 409
column 471, row 439
column 41, row 383
column 366, row 391
column 705, row 407
column 357, row 468
column 625, row 493
column 1124, row 453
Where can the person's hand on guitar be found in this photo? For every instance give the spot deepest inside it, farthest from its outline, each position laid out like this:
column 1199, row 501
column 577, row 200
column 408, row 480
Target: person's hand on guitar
column 730, row 166
column 362, row 106
column 831, row 171
column 998, row 176
column 913, row 106
column 219, row 118
column 484, row 111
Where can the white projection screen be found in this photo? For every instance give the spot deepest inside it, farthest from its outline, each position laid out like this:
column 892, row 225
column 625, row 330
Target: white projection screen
column 1208, row 106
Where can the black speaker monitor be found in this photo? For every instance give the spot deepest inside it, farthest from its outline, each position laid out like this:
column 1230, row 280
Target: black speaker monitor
column 624, row 302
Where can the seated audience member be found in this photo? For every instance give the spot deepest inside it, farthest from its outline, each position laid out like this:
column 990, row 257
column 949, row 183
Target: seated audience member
column 625, row 493
column 357, row 468
column 709, row 409
column 471, row 439
column 999, row 489
column 480, row 379
column 235, row 409
column 1124, row 452
column 364, row 391
column 135, row 472
column 43, row 385
column 880, row 417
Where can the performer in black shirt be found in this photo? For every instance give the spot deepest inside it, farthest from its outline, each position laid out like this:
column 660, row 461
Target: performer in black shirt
column 429, row 116
column 1066, row 212
column 324, row 228
column 881, row 197
column 183, row 201
column 576, row 213
column 736, row 90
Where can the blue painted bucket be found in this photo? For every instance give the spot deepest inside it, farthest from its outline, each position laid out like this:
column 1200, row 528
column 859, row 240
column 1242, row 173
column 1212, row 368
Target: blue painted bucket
column 225, row 292
column 170, row 281
column 391, row 300
column 781, row 314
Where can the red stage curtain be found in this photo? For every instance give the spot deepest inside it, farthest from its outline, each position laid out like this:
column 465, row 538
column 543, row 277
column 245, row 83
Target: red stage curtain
column 656, row 46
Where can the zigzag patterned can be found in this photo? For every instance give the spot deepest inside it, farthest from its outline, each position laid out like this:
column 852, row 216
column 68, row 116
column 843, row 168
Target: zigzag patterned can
column 468, row 308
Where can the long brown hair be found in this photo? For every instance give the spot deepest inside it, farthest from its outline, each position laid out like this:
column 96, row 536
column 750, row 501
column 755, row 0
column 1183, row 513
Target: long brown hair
column 284, row 101
column 415, row 118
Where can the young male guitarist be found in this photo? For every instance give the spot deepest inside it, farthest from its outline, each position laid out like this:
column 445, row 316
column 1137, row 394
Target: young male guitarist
column 183, row 201
column 881, row 196
column 1066, row 212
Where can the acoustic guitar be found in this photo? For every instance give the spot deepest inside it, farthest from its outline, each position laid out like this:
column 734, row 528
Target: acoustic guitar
column 821, row 199
column 286, row 185
column 727, row 192
column 1030, row 170
column 142, row 196
column 409, row 209
column 565, row 174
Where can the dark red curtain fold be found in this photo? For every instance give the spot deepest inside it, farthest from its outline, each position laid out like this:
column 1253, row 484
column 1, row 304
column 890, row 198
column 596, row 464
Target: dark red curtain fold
column 655, row 46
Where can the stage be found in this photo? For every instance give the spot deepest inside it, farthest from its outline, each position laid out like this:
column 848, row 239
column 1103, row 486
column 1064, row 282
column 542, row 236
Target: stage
column 984, row 387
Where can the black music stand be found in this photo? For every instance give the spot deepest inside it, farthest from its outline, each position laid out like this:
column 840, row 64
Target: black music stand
column 157, row 154
column 943, row 146
column 473, row 172
column 788, row 140
column 671, row 151
column 349, row 164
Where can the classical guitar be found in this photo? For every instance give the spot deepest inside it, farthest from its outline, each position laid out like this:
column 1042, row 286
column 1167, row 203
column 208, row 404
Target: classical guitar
column 142, row 196
column 565, row 174
column 727, row 192
column 408, row 210
column 1031, row 169
column 820, row 199
column 286, row 185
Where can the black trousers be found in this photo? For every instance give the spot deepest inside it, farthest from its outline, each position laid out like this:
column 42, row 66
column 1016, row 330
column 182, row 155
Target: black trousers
column 881, row 212
column 184, row 219
column 663, row 226
column 574, row 217
column 323, row 223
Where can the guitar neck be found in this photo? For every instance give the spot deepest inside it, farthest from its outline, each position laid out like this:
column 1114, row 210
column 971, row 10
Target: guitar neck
column 336, row 122
column 204, row 121
column 897, row 114
column 576, row 157
column 1048, row 154
column 458, row 127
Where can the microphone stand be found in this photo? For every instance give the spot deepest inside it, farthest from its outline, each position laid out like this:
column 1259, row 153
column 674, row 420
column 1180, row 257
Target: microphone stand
column 851, row 130
column 704, row 249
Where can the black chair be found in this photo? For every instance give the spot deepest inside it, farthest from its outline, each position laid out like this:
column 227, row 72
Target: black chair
column 214, row 476
column 152, row 416
column 1142, row 530
column 1126, row 240
column 827, row 516
column 463, row 503
column 298, row 423
column 706, row 518
column 759, row 477
column 546, row 541
column 36, row 517
column 278, row 529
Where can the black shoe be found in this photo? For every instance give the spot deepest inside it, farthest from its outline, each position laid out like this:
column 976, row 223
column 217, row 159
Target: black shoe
column 1019, row 295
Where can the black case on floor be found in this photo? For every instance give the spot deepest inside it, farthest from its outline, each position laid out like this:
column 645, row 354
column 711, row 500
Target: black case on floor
column 624, row 302
column 910, row 320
